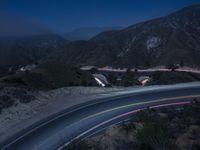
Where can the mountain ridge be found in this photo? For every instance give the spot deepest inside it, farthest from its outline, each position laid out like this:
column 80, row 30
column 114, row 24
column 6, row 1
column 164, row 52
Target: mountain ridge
column 86, row 33
column 20, row 51
column 173, row 38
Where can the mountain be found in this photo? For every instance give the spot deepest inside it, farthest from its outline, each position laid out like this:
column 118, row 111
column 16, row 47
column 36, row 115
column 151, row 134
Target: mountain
column 23, row 42
column 87, row 32
column 170, row 39
column 16, row 51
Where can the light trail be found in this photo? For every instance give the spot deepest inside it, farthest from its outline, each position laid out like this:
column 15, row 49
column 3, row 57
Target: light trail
column 140, row 103
column 130, row 113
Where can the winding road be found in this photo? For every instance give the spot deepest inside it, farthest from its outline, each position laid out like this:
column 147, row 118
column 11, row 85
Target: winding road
column 89, row 118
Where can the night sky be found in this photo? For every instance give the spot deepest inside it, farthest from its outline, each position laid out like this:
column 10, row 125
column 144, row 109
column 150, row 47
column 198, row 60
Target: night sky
column 65, row 15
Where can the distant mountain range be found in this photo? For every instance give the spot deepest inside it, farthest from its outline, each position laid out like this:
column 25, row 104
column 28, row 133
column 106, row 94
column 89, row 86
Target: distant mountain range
column 87, row 32
column 23, row 42
column 171, row 39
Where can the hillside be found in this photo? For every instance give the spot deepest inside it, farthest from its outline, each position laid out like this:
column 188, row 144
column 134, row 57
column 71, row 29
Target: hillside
column 171, row 39
column 23, row 41
column 15, row 51
column 48, row 76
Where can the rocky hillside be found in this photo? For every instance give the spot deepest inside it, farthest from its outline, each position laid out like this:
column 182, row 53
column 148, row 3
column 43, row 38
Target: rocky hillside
column 171, row 39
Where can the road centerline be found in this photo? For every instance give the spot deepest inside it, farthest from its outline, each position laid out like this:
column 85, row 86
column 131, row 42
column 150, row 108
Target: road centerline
column 137, row 104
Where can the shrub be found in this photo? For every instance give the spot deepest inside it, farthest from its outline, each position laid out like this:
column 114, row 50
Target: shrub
column 128, row 79
column 156, row 75
column 18, row 93
column 154, row 136
column 172, row 77
column 172, row 67
column 27, row 98
column 112, row 79
column 5, row 102
column 128, row 127
column 61, row 75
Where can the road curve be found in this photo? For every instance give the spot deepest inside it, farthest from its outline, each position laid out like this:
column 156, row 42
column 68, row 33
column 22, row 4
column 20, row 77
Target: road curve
column 86, row 119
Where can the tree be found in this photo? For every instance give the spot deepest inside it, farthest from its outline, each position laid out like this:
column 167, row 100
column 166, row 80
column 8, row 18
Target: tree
column 172, row 67
column 136, row 70
column 182, row 64
column 128, row 79
column 93, row 70
column 157, row 75
column 112, row 79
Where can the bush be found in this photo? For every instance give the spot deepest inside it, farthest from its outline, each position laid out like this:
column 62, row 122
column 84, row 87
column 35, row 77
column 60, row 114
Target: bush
column 172, row 67
column 172, row 77
column 112, row 79
column 154, row 136
column 5, row 102
column 18, row 93
column 128, row 79
column 154, row 133
column 22, row 95
column 27, row 98
column 61, row 75
column 128, row 127
column 84, row 83
column 157, row 75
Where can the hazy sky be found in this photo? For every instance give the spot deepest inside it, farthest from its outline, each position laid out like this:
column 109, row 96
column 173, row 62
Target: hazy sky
column 65, row 15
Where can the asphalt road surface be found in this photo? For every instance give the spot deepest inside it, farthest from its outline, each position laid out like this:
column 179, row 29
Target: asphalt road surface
column 89, row 118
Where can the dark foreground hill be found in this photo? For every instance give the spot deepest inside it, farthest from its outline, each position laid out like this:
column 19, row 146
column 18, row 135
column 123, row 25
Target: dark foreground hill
column 49, row 76
column 171, row 39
